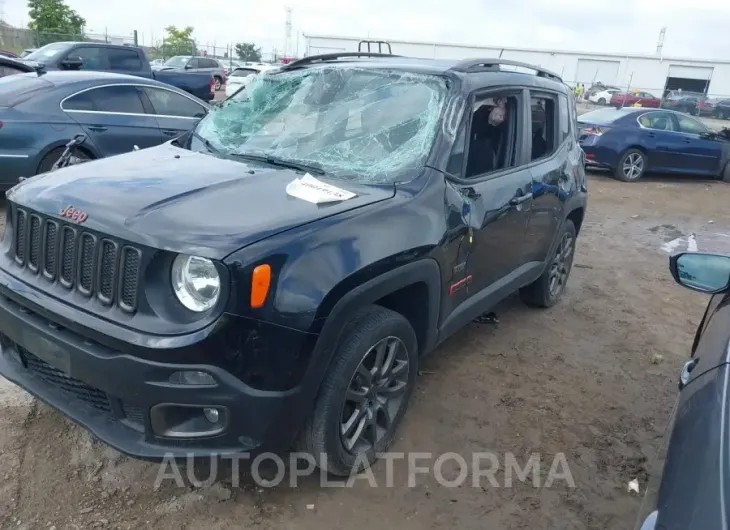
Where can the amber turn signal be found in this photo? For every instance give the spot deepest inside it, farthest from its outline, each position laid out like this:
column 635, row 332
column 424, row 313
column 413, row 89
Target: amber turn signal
column 260, row 282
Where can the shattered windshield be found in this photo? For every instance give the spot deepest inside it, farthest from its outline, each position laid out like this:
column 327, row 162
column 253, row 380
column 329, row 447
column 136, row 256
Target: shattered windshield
column 357, row 123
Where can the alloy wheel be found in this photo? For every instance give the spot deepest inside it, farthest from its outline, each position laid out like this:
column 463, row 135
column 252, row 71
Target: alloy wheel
column 633, row 166
column 375, row 395
column 560, row 266
column 217, row 84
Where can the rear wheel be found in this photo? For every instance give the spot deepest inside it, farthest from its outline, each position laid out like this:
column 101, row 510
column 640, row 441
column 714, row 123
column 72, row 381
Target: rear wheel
column 52, row 157
column 218, row 83
column 632, row 165
column 364, row 393
column 548, row 288
column 721, row 114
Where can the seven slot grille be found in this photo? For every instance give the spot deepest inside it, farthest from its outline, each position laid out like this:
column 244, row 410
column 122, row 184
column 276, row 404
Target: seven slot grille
column 77, row 259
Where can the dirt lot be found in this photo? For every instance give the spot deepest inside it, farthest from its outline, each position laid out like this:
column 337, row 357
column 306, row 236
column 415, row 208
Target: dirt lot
column 593, row 378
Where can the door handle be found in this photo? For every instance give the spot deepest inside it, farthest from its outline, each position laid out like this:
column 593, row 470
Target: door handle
column 514, row 201
column 170, row 132
column 687, row 141
column 97, row 128
column 651, row 135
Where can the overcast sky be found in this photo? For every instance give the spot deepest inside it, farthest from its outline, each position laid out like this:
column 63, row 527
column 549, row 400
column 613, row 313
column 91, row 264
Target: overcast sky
column 697, row 28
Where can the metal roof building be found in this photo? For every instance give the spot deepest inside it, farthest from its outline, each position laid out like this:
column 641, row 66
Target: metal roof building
column 650, row 73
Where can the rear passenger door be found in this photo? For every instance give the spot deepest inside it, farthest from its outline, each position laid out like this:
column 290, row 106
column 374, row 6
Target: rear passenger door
column 114, row 118
column 496, row 187
column 175, row 113
column 552, row 156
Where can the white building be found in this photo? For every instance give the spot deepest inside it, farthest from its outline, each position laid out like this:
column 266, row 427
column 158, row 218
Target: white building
column 648, row 73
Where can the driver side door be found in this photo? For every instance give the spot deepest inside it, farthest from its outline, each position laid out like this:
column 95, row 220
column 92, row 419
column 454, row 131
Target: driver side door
column 699, row 154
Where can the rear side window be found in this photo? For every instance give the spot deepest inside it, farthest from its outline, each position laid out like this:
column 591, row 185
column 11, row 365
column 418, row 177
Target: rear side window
column 115, row 99
column 15, row 89
column 565, row 122
column 125, row 60
column 208, row 63
column 544, row 114
column 169, row 103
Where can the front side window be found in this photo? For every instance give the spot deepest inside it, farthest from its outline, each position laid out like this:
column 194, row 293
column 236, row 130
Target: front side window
column 491, row 144
column 179, row 61
column 690, row 125
column 169, row 103
column 93, row 58
column 358, row 123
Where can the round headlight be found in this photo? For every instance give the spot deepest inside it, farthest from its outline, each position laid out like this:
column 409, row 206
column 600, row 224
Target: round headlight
column 196, row 282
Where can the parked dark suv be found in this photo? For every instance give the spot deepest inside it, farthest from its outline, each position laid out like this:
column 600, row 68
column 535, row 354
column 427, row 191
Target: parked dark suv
column 276, row 274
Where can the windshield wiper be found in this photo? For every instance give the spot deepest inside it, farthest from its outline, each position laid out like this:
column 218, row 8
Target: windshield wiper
column 281, row 162
column 209, row 146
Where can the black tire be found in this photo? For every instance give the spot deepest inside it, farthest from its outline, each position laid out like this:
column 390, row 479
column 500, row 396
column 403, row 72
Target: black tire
column 548, row 288
column 631, row 166
column 320, row 436
column 602, row 101
column 54, row 154
column 721, row 115
column 218, row 83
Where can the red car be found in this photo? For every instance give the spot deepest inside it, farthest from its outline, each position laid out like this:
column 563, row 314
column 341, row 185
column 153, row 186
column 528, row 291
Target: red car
column 628, row 100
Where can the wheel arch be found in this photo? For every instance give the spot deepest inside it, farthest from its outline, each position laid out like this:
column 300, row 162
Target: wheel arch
column 413, row 290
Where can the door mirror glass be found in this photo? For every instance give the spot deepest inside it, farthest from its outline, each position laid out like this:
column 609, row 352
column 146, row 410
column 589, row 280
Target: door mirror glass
column 707, row 273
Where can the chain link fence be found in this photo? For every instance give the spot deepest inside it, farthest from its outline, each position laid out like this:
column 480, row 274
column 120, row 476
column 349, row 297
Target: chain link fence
column 18, row 40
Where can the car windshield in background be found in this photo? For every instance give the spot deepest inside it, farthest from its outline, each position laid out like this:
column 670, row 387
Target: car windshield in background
column 177, row 62
column 46, row 52
column 15, row 89
column 362, row 124
column 604, row 115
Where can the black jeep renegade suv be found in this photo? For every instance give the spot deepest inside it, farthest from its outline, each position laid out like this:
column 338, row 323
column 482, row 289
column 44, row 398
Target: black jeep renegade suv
column 272, row 278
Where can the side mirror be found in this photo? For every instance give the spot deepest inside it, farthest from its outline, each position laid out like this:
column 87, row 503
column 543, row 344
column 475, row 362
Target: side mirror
column 72, row 63
column 188, row 67
column 703, row 272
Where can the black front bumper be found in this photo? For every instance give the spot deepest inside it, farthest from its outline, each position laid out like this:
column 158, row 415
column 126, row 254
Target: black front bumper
column 111, row 393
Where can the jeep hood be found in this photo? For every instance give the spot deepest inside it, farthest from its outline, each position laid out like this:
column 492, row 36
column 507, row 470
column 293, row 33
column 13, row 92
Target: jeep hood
column 184, row 201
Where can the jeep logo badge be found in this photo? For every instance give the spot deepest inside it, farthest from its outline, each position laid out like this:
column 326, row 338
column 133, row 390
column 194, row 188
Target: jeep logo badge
column 74, row 214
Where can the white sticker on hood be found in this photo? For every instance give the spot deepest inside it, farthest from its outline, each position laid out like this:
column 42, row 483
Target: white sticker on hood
column 315, row 191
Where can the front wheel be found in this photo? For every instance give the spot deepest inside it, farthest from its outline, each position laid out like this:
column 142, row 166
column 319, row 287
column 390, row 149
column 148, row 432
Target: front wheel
column 550, row 286
column 46, row 165
column 631, row 167
column 364, row 393
column 602, row 101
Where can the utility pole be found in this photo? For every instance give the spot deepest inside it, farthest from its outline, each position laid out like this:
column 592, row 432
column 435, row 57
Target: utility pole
column 287, row 31
column 660, row 42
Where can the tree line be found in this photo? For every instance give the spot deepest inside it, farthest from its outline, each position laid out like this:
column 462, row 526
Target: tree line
column 54, row 20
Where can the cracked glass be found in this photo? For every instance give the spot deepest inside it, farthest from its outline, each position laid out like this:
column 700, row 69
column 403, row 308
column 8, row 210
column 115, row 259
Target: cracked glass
column 364, row 124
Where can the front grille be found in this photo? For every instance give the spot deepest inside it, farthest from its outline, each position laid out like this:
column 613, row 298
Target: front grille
column 78, row 259
column 69, row 385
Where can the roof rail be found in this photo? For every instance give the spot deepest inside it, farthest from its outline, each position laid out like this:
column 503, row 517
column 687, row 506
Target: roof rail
column 485, row 65
column 380, row 44
column 331, row 57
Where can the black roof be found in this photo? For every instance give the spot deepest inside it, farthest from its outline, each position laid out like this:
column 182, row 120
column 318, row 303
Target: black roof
column 468, row 69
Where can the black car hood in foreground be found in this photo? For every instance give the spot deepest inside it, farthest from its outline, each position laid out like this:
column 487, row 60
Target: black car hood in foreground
column 171, row 198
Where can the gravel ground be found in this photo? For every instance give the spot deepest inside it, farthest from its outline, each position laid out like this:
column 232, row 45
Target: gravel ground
column 593, row 378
